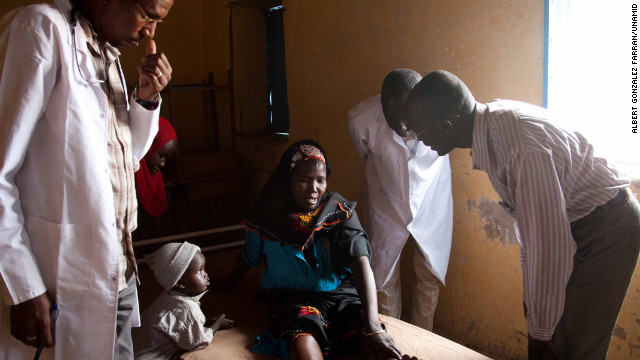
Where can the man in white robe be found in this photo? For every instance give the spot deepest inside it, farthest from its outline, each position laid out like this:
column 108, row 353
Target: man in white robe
column 70, row 138
column 408, row 192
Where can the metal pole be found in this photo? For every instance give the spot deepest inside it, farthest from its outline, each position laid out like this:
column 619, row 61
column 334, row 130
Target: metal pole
column 187, row 235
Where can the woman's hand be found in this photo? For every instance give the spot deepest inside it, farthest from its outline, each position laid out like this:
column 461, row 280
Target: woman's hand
column 378, row 347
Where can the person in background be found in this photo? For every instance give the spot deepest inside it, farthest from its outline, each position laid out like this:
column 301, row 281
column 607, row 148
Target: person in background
column 319, row 284
column 149, row 184
column 70, row 137
column 578, row 224
column 408, row 192
column 174, row 323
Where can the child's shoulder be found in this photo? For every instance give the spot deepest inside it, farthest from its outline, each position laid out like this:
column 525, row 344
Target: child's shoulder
column 172, row 303
column 173, row 309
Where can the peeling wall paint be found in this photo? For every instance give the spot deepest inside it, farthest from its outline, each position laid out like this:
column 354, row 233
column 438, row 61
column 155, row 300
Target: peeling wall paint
column 620, row 333
column 496, row 222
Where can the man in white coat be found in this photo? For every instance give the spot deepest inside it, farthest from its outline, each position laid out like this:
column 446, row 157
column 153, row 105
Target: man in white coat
column 408, row 192
column 70, row 137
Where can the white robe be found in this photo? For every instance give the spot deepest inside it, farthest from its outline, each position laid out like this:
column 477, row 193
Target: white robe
column 57, row 217
column 408, row 191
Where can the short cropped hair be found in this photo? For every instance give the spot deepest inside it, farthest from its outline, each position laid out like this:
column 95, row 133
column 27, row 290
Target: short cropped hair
column 439, row 94
column 398, row 83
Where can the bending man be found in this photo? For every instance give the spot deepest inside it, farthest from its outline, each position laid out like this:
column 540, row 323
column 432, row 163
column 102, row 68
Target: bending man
column 578, row 223
column 408, row 191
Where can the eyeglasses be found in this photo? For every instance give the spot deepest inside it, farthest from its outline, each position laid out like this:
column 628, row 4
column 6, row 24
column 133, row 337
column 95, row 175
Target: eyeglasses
column 447, row 117
column 147, row 20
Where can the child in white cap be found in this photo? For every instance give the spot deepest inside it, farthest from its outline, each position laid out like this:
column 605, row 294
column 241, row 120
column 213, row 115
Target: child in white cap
column 174, row 323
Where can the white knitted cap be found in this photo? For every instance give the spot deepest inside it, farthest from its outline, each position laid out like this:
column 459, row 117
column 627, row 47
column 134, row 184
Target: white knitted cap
column 170, row 262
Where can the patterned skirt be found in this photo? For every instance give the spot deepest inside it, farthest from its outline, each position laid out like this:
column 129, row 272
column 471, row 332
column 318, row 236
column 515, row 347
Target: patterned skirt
column 333, row 318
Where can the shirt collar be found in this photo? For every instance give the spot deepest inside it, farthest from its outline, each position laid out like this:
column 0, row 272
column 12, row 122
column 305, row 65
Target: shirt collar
column 65, row 8
column 479, row 151
column 195, row 298
column 93, row 42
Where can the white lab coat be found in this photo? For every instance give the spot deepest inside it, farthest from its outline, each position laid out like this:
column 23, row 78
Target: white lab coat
column 57, row 218
column 408, row 191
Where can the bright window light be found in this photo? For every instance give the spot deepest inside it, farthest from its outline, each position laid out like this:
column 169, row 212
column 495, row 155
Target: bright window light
column 593, row 78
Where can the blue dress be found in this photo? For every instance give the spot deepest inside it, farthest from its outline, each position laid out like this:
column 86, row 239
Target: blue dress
column 287, row 268
column 319, row 299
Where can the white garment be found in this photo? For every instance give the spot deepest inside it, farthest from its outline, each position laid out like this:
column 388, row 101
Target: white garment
column 426, row 289
column 408, row 191
column 57, row 217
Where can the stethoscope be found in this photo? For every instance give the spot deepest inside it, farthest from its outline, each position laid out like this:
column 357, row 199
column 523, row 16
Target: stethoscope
column 74, row 23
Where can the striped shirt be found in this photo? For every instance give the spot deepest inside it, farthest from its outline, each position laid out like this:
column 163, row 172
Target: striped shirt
column 547, row 178
column 119, row 153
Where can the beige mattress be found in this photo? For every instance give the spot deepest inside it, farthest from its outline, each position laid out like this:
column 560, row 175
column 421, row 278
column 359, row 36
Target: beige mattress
column 250, row 317
column 235, row 344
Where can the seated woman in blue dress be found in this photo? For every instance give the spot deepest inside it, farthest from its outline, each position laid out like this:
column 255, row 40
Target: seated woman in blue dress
column 319, row 284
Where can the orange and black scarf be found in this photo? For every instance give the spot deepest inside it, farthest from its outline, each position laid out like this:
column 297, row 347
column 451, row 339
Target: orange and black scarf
column 275, row 216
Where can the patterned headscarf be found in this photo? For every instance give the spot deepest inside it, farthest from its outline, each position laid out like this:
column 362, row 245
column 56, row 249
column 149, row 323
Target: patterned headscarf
column 306, row 152
column 276, row 216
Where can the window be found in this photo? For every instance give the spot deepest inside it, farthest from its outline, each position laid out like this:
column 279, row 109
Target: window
column 592, row 58
column 278, row 104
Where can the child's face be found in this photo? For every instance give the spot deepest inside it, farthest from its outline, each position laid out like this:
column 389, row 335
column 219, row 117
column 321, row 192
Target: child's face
column 195, row 279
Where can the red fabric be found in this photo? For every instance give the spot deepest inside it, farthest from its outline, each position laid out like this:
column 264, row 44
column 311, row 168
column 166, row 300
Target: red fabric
column 150, row 187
